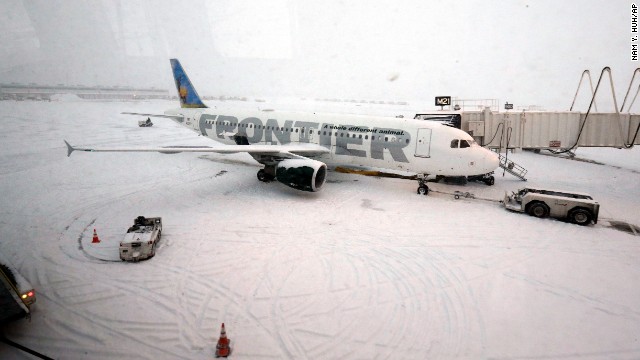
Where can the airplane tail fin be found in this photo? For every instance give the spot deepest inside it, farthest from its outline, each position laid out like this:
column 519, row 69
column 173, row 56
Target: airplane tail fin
column 188, row 96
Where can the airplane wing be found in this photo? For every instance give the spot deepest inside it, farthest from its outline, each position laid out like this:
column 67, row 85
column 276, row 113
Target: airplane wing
column 289, row 151
column 176, row 117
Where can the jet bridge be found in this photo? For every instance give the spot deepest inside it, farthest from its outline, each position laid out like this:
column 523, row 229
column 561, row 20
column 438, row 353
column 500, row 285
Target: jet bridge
column 561, row 130
column 553, row 130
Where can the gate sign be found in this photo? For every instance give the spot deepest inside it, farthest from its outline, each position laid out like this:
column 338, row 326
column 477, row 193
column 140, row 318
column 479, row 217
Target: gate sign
column 443, row 100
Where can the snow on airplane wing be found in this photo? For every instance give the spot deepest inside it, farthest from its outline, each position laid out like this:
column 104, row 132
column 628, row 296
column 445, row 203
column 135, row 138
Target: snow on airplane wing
column 292, row 151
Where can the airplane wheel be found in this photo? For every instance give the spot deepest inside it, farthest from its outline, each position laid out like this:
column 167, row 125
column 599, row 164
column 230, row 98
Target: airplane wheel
column 423, row 190
column 490, row 181
column 262, row 176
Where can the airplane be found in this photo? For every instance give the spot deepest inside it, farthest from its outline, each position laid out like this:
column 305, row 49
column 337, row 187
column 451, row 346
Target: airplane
column 296, row 147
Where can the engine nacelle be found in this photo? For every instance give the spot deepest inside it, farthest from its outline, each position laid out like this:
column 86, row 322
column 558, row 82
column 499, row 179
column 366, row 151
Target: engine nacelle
column 302, row 174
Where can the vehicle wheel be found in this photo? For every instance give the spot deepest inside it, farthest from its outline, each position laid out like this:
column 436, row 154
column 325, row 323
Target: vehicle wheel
column 490, row 181
column 423, row 190
column 7, row 272
column 456, row 196
column 262, row 176
column 159, row 234
column 580, row 217
column 539, row 210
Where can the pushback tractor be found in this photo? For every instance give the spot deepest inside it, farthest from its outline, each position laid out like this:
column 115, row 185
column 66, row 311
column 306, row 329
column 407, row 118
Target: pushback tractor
column 578, row 208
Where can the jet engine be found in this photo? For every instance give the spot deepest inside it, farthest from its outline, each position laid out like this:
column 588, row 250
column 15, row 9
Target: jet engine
column 302, row 174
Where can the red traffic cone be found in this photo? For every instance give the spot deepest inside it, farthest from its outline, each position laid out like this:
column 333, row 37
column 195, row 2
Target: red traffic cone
column 95, row 237
column 223, row 349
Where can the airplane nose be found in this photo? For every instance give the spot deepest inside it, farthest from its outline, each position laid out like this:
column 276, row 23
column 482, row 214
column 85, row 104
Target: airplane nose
column 491, row 160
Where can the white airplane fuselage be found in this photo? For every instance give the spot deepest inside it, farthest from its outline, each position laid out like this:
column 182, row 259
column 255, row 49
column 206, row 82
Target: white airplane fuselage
column 410, row 145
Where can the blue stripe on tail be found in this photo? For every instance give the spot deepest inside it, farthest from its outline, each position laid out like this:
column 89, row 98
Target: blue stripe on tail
column 188, row 96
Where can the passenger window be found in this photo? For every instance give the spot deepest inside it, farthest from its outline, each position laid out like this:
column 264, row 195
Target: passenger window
column 454, row 143
column 464, row 144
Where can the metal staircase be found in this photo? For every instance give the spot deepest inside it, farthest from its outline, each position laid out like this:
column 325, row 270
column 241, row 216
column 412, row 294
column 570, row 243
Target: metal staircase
column 512, row 168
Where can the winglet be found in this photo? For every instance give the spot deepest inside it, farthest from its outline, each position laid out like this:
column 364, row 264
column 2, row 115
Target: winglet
column 69, row 148
column 188, row 96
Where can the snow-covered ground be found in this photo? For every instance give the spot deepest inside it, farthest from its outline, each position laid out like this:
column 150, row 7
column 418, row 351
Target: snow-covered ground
column 365, row 269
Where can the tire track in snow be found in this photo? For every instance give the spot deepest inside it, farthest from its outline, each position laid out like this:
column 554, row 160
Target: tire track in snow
column 57, row 292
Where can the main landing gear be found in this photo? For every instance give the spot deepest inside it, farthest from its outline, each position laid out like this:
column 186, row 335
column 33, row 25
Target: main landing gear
column 423, row 189
column 485, row 178
column 267, row 174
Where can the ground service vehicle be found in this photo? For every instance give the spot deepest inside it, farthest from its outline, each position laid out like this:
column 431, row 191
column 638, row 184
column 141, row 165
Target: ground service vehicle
column 141, row 239
column 16, row 293
column 145, row 123
column 578, row 208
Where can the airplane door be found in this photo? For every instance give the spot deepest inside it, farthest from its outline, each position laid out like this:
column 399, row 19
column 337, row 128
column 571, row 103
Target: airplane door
column 423, row 143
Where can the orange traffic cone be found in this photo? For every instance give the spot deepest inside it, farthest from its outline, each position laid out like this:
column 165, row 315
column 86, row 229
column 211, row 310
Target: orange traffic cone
column 95, row 237
column 223, row 349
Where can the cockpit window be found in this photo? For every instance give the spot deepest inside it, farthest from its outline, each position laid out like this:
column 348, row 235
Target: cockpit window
column 462, row 143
